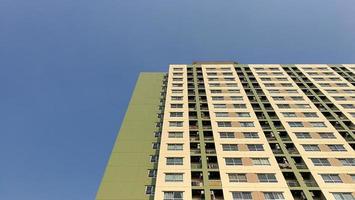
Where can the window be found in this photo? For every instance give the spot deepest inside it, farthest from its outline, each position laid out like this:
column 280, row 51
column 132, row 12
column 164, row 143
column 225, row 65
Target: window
column 310, row 114
column 281, row 106
column 327, row 135
column 234, row 177
column 175, row 105
column 177, row 79
column 347, row 161
column 260, row 161
column 173, row 196
column 149, row 189
column 176, row 91
column 173, row 177
column 222, row 114
column 348, row 106
column 216, row 91
column 318, row 124
column 236, row 98
column 331, row 178
column 242, row 114
column 177, row 84
column 267, row 178
column 336, row 147
column 320, row 162
column 226, row 135
column 175, row 134
column 175, row 147
column 250, row 135
column 289, row 114
column 303, row 135
column 153, row 158
column 297, row 98
column 174, row 161
column 224, row 124
column 233, row 161
column 176, row 114
column 242, row 196
column 239, row 106
column 255, row 147
column 152, row 173
column 246, row 124
column 155, row 145
column 273, row 195
column 230, row 147
column 343, row 196
column 303, row 106
column 217, row 98
column 295, row 124
column 311, row 147
column 176, row 98
column 277, row 98
column 233, row 91
column 219, row 105
column 175, row 124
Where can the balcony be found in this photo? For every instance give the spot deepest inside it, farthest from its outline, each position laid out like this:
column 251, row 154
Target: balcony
column 214, row 183
column 196, row 165
column 210, row 151
column 212, row 165
column 292, row 183
column 196, row 182
column 195, row 151
column 310, row 183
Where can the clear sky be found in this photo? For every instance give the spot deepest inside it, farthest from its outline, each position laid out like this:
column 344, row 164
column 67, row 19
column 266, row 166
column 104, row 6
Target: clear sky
column 67, row 70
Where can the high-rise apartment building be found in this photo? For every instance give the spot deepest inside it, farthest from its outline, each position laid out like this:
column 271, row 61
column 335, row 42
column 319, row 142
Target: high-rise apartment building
column 235, row 131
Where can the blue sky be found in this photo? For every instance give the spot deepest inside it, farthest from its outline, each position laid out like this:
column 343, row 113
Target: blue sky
column 64, row 66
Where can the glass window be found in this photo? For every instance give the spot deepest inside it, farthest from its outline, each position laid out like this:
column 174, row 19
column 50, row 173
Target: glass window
column 175, row 147
column 336, row 147
column 255, row 147
column 173, row 177
column 224, row 124
column 175, row 134
column 289, row 114
column 273, row 195
column 233, row 161
column 303, row 135
column 175, row 124
column 176, row 114
column 310, row 114
column 174, row 161
column 234, row 177
column 320, row 162
column 222, row 114
column 149, row 189
column 242, row 196
column 152, row 173
column 243, row 114
column 311, row 147
column 260, row 161
column 226, row 135
column 173, row 195
column 267, row 178
column 318, row 124
column 347, row 161
column 295, row 124
column 331, row 178
column 343, row 196
column 246, row 124
column 230, row 147
column 327, row 135
column 250, row 135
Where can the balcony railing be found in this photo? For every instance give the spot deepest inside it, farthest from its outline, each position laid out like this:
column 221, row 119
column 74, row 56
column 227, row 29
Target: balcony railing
column 292, row 183
column 196, row 182
column 210, row 151
column 196, row 165
column 310, row 183
column 214, row 183
column 196, row 151
column 212, row 165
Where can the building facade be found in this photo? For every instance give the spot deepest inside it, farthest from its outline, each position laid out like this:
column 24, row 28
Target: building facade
column 237, row 131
